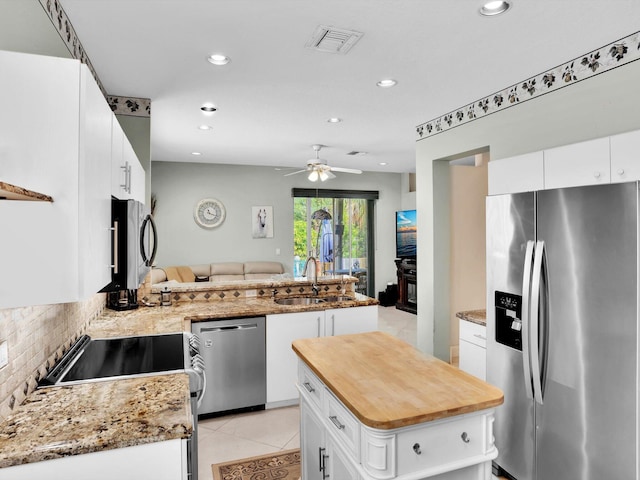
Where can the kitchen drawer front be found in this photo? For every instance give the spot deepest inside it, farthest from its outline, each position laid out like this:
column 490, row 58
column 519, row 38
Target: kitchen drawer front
column 342, row 425
column 311, row 385
column 473, row 333
column 446, row 445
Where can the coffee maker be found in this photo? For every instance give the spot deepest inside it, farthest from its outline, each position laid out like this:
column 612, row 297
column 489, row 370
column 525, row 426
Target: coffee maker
column 122, row 300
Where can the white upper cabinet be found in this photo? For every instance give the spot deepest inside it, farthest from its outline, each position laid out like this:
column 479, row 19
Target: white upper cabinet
column 127, row 174
column 605, row 160
column 524, row 173
column 584, row 163
column 625, row 157
column 55, row 140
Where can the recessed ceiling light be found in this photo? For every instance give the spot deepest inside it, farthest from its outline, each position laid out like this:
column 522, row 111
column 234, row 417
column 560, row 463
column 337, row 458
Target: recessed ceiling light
column 208, row 108
column 386, row 83
column 494, row 8
column 218, row 59
column 205, row 127
column 334, row 120
column 383, row 163
column 196, row 154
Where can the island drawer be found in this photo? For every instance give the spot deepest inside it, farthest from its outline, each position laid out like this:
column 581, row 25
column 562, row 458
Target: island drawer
column 445, row 445
column 343, row 425
column 473, row 333
column 311, row 384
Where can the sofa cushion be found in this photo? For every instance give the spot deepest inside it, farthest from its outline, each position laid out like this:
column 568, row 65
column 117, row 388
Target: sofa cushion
column 203, row 270
column 262, row 270
column 227, row 268
column 158, row 275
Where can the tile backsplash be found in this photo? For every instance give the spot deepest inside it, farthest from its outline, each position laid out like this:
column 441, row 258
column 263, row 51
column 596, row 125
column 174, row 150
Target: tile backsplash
column 37, row 337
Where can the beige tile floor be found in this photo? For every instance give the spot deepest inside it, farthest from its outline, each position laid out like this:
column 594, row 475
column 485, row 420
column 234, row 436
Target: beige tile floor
column 257, row 433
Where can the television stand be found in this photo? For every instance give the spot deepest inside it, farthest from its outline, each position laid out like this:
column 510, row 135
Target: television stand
column 407, row 285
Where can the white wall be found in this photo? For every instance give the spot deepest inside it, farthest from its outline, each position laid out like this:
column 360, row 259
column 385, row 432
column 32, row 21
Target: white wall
column 178, row 186
column 599, row 106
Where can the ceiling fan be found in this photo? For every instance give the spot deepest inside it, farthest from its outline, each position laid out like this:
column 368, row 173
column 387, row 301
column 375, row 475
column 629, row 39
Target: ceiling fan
column 319, row 170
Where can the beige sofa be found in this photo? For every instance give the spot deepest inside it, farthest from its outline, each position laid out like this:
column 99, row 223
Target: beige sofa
column 217, row 272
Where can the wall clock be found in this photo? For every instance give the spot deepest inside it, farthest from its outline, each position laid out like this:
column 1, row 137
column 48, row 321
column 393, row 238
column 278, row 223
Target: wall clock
column 209, row 213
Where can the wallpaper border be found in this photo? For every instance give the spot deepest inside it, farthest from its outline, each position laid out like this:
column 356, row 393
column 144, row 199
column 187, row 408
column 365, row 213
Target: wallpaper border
column 139, row 107
column 615, row 54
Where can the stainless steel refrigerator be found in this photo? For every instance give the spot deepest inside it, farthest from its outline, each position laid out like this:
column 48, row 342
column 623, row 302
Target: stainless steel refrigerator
column 562, row 332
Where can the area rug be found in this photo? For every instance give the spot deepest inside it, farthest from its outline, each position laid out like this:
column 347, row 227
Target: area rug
column 284, row 465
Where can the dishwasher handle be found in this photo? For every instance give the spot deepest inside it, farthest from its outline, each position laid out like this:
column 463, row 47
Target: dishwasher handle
column 226, row 328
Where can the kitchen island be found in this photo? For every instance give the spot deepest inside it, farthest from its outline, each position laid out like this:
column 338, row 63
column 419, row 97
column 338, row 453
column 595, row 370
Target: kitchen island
column 373, row 407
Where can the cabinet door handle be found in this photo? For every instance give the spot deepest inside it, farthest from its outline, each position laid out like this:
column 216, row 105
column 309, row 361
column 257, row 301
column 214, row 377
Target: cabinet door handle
column 465, row 437
column 336, row 422
column 309, row 388
column 320, row 458
column 319, row 326
column 596, row 174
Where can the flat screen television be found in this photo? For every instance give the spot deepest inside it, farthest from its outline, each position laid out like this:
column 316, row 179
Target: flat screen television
column 406, row 239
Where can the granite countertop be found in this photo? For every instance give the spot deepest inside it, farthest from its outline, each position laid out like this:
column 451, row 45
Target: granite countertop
column 71, row 420
column 176, row 318
column 474, row 316
column 374, row 375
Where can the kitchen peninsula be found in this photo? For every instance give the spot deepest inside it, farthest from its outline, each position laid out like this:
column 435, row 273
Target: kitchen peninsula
column 373, row 407
column 99, row 422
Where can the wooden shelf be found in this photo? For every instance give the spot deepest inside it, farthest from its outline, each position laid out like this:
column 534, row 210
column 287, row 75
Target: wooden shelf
column 13, row 192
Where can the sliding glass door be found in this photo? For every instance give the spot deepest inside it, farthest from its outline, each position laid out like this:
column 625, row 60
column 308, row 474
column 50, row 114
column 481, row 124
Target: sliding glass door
column 337, row 232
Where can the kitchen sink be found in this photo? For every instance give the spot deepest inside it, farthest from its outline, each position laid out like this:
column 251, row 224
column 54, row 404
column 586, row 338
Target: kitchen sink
column 338, row 298
column 299, row 300
column 312, row 300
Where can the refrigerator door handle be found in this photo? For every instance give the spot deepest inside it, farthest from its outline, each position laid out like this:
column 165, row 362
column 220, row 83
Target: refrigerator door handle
column 526, row 296
column 537, row 281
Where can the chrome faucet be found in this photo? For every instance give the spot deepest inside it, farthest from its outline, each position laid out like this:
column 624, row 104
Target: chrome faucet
column 313, row 277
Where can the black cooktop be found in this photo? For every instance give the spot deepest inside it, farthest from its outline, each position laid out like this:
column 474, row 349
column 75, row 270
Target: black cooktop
column 90, row 359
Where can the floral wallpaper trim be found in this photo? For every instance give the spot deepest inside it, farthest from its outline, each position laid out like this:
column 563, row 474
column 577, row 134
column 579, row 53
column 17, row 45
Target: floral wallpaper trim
column 136, row 107
column 613, row 55
column 140, row 107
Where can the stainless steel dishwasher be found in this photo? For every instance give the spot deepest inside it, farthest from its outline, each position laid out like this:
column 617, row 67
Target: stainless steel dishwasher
column 234, row 353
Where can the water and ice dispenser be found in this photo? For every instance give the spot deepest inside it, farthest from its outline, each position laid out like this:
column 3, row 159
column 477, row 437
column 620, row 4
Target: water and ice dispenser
column 508, row 319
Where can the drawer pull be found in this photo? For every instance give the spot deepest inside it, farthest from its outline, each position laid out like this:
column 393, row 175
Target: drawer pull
column 336, row 422
column 481, row 337
column 309, row 388
column 465, row 437
column 416, row 448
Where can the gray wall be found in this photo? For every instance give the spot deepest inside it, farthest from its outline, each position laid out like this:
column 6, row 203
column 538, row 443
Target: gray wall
column 178, row 186
column 597, row 107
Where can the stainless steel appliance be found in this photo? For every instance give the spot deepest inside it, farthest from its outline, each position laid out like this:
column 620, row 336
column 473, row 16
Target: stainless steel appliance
column 562, row 328
column 234, row 353
column 134, row 246
column 92, row 360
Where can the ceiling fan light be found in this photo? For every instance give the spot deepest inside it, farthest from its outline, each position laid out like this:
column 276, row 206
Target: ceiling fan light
column 313, row 176
column 323, row 176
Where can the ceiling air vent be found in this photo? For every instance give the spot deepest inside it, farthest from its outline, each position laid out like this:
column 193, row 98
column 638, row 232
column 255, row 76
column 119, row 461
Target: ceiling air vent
column 356, row 152
column 333, row 40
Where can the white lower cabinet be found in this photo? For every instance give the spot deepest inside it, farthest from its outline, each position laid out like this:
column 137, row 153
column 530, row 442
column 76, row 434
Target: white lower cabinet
column 165, row 460
column 322, row 457
column 473, row 349
column 284, row 328
column 336, row 445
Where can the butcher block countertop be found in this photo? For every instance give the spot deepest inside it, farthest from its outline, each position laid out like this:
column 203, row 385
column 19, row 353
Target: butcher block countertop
column 387, row 383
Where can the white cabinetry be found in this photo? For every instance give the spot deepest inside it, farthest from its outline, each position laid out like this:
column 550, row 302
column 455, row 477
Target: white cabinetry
column 584, row 163
column 334, row 444
column 625, row 157
column 473, row 349
column 53, row 252
column 127, row 174
column 283, row 329
column 165, row 460
column 524, row 173
column 605, row 160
